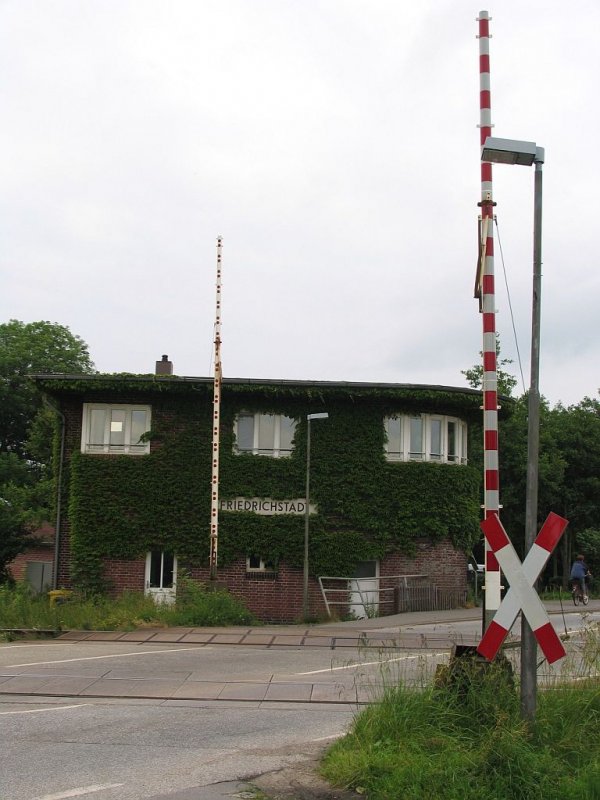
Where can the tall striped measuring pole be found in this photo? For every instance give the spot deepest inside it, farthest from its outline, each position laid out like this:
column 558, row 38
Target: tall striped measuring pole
column 485, row 291
column 216, row 427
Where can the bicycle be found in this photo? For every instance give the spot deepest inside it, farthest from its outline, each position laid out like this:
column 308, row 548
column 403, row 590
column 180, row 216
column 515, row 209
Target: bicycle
column 578, row 594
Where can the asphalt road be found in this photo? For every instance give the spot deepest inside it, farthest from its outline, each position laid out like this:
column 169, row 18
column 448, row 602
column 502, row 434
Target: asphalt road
column 81, row 745
column 105, row 748
column 133, row 720
column 142, row 749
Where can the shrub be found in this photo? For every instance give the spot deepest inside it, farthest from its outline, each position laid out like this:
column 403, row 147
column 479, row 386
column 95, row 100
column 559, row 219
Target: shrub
column 195, row 606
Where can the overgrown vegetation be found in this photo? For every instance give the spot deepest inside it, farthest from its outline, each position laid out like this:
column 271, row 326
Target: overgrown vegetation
column 28, row 428
column 195, row 606
column 121, row 507
column 467, row 741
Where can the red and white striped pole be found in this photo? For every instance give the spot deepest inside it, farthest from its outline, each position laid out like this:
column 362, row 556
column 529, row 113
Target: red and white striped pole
column 488, row 309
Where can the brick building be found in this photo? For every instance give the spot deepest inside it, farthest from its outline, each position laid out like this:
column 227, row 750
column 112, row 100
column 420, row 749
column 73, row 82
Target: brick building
column 35, row 564
column 394, row 503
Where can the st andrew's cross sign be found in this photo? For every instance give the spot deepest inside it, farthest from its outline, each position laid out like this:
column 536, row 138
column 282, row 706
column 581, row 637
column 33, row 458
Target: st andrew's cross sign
column 522, row 596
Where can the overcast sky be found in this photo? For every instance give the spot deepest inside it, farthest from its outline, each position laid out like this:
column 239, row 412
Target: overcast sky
column 333, row 144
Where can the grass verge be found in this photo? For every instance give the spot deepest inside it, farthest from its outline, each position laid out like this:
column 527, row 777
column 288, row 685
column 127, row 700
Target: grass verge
column 468, row 742
column 195, row 606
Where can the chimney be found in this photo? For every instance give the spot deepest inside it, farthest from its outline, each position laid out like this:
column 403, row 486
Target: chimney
column 164, row 366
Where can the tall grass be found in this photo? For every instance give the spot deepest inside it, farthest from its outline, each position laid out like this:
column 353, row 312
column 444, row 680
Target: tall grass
column 465, row 740
column 195, row 606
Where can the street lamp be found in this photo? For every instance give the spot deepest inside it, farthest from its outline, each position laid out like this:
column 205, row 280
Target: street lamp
column 513, row 151
column 309, row 417
column 510, row 151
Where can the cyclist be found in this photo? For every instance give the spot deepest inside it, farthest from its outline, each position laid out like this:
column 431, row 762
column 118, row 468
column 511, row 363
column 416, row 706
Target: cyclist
column 579, row 572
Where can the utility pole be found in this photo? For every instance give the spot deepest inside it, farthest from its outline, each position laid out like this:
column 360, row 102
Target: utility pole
column 528, row 641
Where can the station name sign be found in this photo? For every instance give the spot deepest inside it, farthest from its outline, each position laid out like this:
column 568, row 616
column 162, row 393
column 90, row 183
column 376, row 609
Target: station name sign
column 266, row 506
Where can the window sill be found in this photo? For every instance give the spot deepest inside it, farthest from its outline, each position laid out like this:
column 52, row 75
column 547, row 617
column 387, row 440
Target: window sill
column 425, row 461
column 262, row 576
column 108, row 452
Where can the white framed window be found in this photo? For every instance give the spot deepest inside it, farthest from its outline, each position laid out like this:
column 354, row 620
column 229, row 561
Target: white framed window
column 264, row 434
column 426, row 437
column 416, row 451
column 435, row 439
column 256, row 563
column 115, row 428
column 161, row 576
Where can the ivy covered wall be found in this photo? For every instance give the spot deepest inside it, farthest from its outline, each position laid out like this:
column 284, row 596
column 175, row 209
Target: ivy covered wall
column 121, row 506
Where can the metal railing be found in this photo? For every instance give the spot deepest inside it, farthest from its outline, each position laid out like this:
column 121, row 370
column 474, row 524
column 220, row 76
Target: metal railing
column 388, row 594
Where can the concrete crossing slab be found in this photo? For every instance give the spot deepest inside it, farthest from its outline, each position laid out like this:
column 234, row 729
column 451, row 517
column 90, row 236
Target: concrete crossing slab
column 107, row 688
column 334, row 673
column 244, row 691
column 297, row 692
column 198, row 690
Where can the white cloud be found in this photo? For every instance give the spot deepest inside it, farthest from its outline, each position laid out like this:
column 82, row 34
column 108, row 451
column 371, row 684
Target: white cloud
column 333, row 144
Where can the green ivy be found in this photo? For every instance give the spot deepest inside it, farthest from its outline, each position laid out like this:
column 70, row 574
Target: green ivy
column 122, row 506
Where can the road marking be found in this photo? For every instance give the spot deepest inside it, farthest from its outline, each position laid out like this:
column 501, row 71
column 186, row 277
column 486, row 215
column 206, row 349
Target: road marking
column 34, row 644
column 97, row 658
column 80, row 790
column 41, row 710
column 371, row 663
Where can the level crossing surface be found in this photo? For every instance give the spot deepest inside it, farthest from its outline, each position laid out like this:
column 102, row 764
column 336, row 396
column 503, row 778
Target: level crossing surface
column 113, row 716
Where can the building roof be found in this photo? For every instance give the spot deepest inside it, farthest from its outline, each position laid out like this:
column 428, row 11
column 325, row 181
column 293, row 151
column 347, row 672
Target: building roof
column 71, row 382
column 109, row 387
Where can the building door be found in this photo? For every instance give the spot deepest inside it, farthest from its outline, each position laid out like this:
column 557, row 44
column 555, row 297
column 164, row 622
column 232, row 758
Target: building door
column 39, row 575
column 364, row 590
column 161, row 576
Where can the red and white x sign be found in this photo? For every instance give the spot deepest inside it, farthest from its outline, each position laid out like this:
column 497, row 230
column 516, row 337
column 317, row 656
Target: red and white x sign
column 521, row 595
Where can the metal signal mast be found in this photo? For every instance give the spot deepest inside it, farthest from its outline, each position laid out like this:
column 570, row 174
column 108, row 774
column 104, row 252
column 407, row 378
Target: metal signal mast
column 214, row 501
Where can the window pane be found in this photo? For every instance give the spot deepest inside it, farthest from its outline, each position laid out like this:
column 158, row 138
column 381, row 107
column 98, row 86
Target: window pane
column 288, row 427
column 393, row 429
column 97, row 423
column 266, row 432
column 168, row 562
column 139, row 427
column 436, row 439
column 117, row 427
column 253, row 562
column 155, row 562
column 245, row 432
column 416, row 438
column 463, row 443
column 365, row 569
column 452, row 441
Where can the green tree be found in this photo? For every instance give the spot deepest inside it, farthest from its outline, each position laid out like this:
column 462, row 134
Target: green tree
column 27, row 349
column 577, row 433
column 576, row 430
column 512, row 436
column 512, row 450
column 588, row 543
column 569, row 465
column 27, row 426
column 506, row 381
